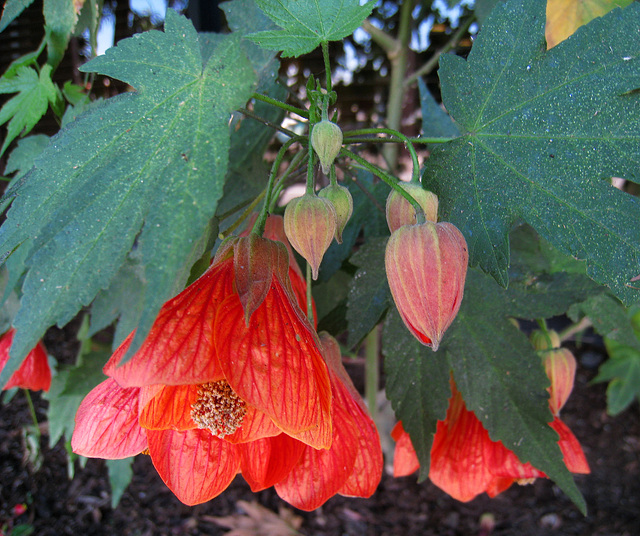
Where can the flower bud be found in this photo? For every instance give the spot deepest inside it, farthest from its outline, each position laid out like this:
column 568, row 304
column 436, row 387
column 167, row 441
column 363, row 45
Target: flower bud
column 326, row 140
column 342, row 202
column 426, row 267
column 399, row 210
column 560, row 366
column 310, row 224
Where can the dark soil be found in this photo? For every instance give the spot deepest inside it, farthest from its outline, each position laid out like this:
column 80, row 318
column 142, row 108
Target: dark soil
column 402, row 507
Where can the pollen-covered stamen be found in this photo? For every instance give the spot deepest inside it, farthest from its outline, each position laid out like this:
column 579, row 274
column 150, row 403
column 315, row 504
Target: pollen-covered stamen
column 218, row 408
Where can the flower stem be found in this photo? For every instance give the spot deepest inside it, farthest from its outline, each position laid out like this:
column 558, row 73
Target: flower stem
column 575, row 328
column 32, row 411
column 415, row 173
column 389, row 179
column 282, row 105
column 258, row 227
column 309, row 189
column 268, row 123
column 327, row 64
column 309, row 296
column 371, row 371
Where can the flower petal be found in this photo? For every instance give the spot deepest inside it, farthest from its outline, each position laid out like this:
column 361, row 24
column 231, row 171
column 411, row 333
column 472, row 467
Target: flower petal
column 195, row 465
column 107, row 423
column 255, row 425
column 574, row 457
column 179, row 348
column 320, row 474
column 405, row 460
column 274, row 363
column 34, row 373
column 170, row 408
column 267, row 461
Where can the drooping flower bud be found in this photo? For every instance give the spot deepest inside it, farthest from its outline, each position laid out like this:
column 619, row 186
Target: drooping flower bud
column 399, row 210
column 326, row 140
column 342, row 202
column 560, row 366
column 310, row 224
column 426, row 267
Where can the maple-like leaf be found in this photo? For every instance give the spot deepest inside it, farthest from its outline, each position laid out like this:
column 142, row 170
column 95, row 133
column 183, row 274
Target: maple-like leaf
column 34, row 93
column 146, row 166
column 565, row 16
column 304, row 25
column 541, row 133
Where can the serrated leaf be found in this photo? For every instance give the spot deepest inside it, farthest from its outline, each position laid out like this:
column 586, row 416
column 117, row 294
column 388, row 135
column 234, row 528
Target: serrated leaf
column 565, row 16
column 68, row 387
column 11, row 10
column 622, row 371
column 120, row 475
column 369, row 294
column 609, row 318
column 304, row 25
column 482, row 8
column 502, row 380
column 541, row 131
column 60, row 19
column 23, row 111
column 417, row 385
column 23, row 156
column 147, row 166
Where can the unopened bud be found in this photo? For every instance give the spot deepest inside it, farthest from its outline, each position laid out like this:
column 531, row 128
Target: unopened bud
column 326, row 140
column 342, row 202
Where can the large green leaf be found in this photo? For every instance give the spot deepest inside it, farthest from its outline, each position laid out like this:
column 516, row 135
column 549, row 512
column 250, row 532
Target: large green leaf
column 417, row 385
column 304, row 25
column 147, row 166
column 542, row 130
column 502, row 379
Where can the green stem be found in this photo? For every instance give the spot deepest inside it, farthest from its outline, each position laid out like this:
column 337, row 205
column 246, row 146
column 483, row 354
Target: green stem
column 282, row 105
column 398, row 60
column 415, row 173
column 258, row 227
column 32, row 410
column 310, row 181
column 569, row 332
column 371, row 372
column 364, row 139
column 389, row 179
column 309, row 296
column 327, row 64
column 333, row 180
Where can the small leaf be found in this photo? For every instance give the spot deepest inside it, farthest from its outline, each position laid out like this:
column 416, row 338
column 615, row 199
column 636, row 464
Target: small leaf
column 60, row 19
column 25, row 109
column 304, row 25
column 565, row 16
column 11, row 10
column 120, row 475
column 417, row 385
column 622, row 371
column 24, row 155
column 369, row 294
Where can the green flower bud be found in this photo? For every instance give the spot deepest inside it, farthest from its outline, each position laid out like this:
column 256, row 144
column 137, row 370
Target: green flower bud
column 342, row 201
column 326, row 140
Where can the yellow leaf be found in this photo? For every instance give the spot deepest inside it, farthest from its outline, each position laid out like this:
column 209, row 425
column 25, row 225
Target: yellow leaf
column 565, row 16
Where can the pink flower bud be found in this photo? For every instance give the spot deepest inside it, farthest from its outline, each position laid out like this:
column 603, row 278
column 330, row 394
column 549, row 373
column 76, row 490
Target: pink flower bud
column 310, row 224
column 426, row 267
column 399, row 210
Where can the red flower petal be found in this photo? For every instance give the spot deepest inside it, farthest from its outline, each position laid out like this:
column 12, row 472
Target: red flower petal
column 274, row 364
column 195, row 465
column 34, row 373
column 267, row 461
column 179, row 348
column 320, row 474
column 405, row 460
column 107, row 423
column 255, row 425
column 574, row 457
column 170, row 408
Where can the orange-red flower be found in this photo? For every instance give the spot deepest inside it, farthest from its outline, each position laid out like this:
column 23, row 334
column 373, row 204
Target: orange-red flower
column 465, row 461
column 34, row 373
column 353, row 464
column 230, row 365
